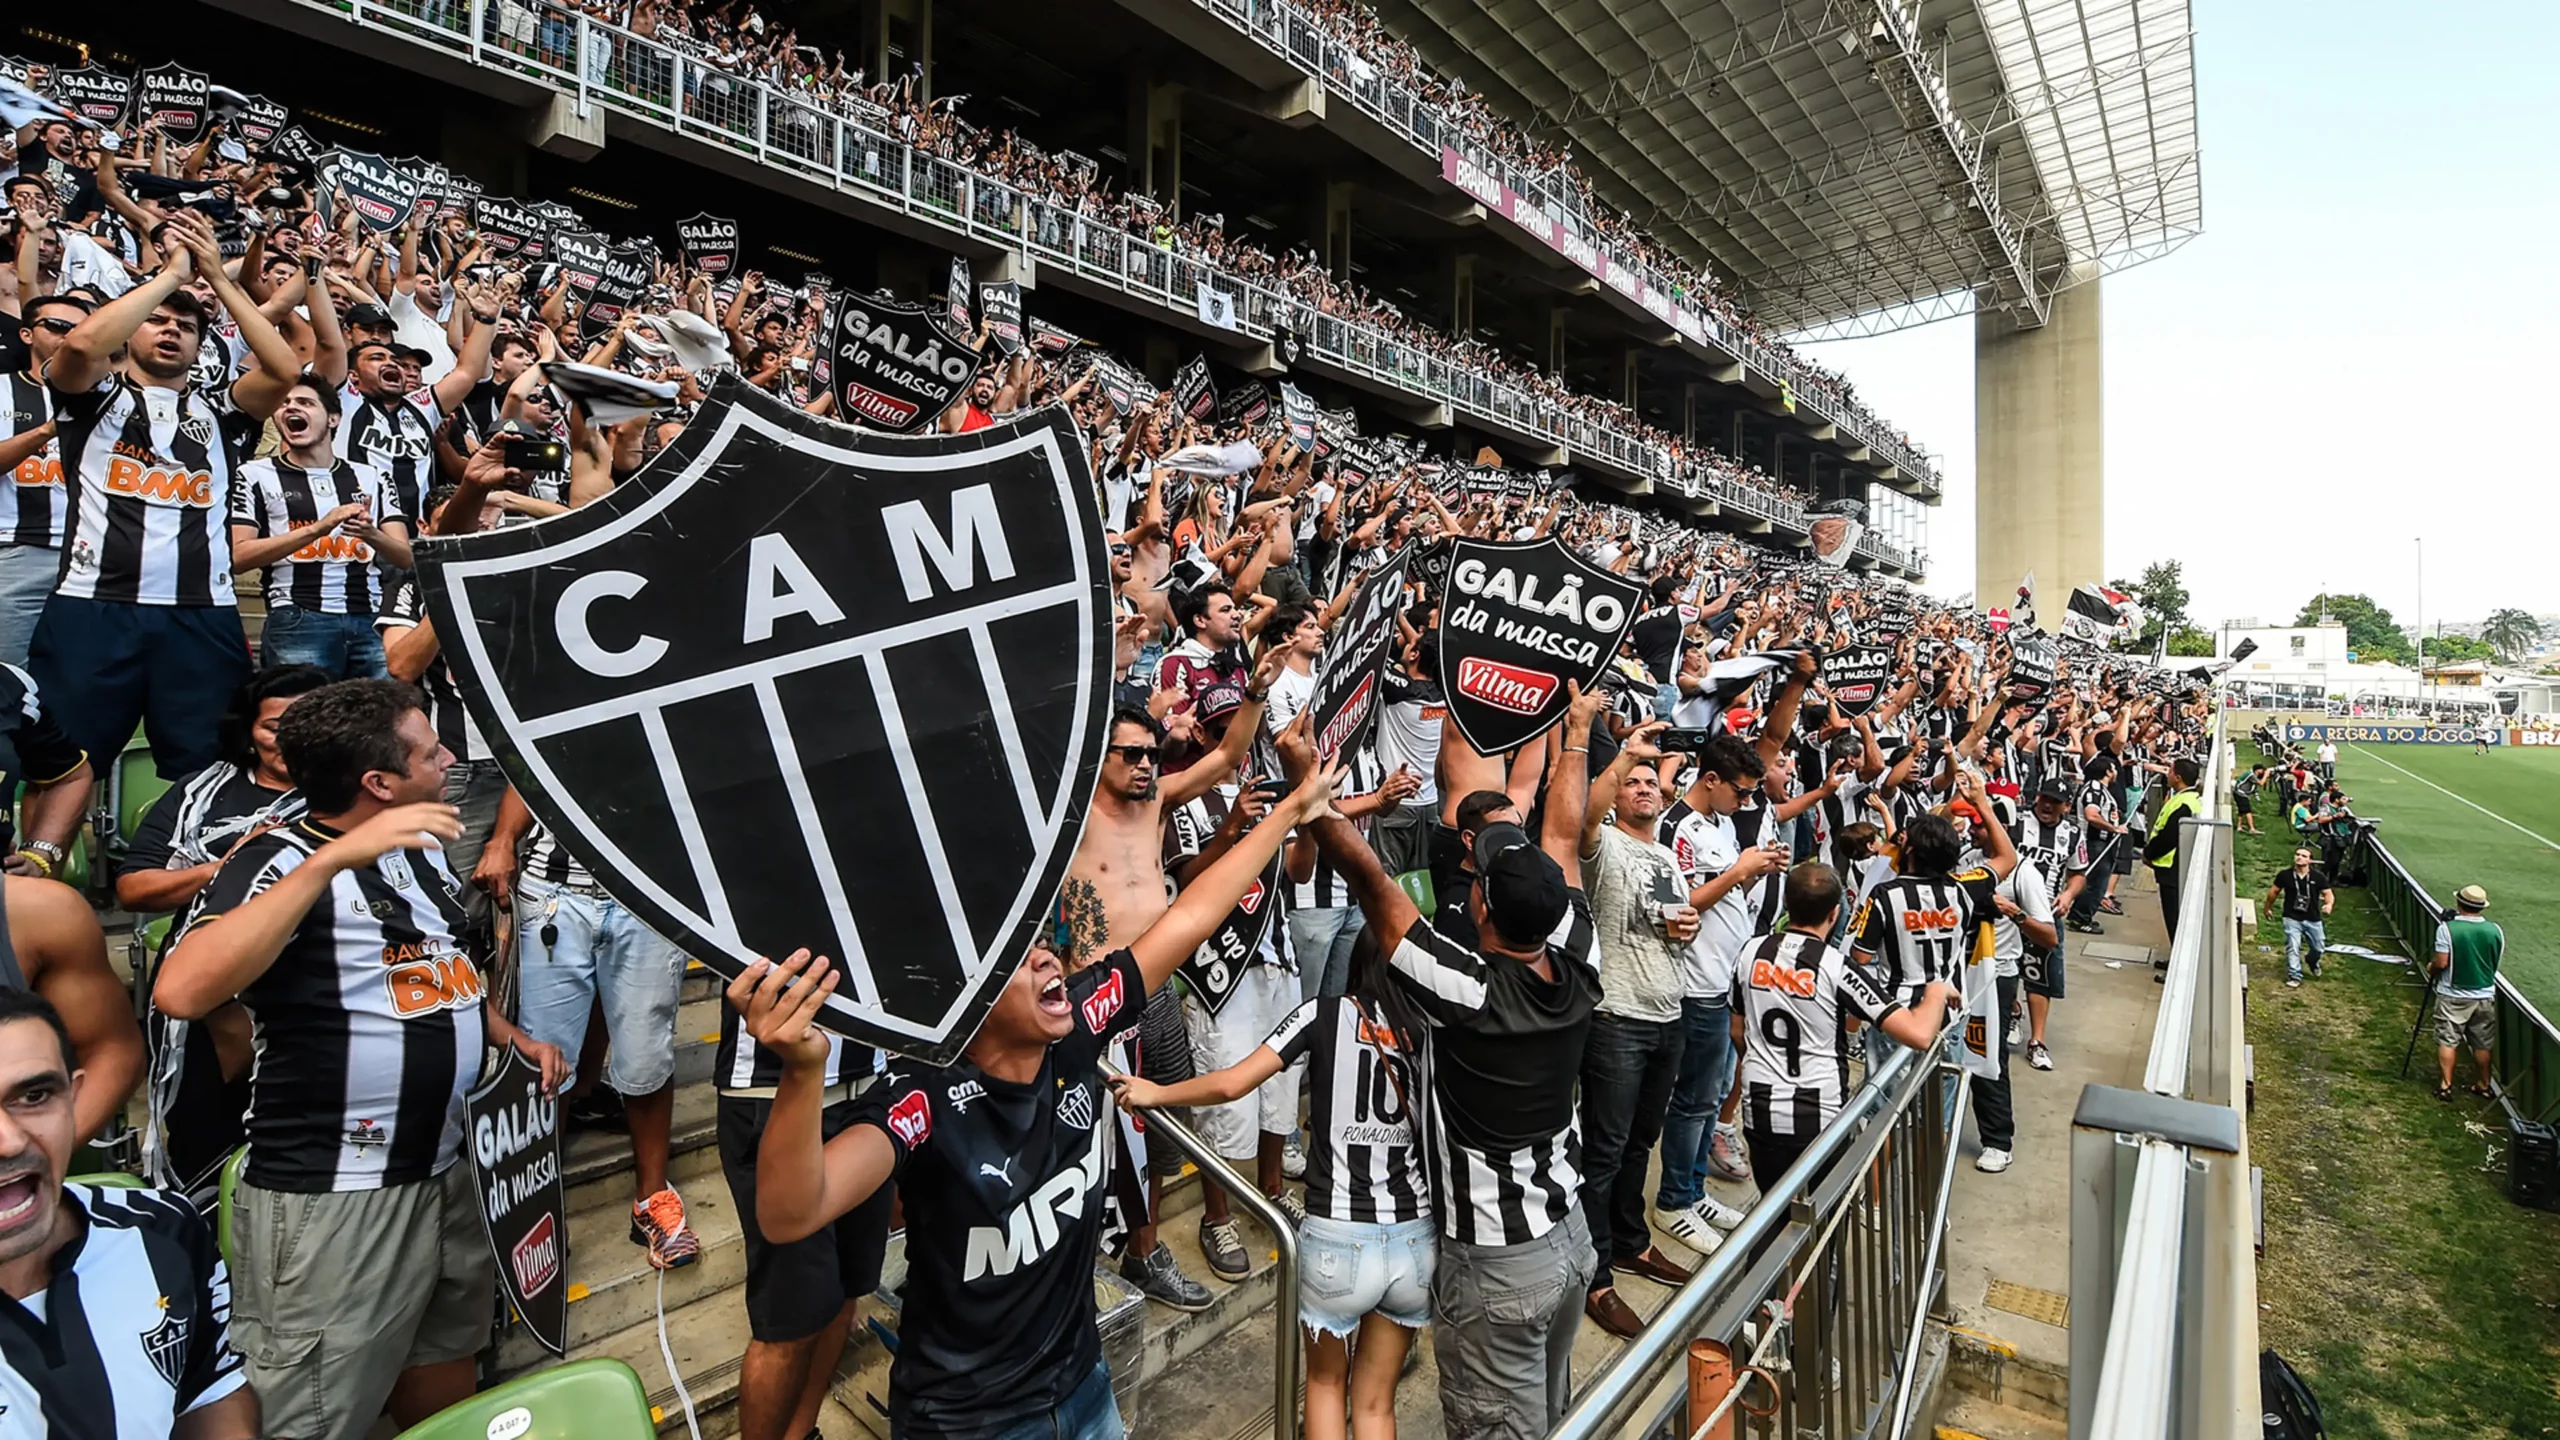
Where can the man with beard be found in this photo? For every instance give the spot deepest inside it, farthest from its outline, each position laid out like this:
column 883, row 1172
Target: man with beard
column 32, row 511
column 143, row 619
column 316, row 526
column 1643, row 922
column 124, row 1287
column 1000, row 1157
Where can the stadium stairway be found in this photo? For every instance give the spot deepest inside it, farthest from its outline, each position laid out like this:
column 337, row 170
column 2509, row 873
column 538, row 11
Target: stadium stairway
column 615, row 1297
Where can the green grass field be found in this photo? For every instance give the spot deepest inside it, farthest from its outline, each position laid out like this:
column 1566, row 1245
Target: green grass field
column 2430, row 800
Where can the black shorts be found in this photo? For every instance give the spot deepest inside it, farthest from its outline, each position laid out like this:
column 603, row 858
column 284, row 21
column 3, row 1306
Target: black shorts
column 1164, row 1056
column 797, row 1289
column 2040, row 971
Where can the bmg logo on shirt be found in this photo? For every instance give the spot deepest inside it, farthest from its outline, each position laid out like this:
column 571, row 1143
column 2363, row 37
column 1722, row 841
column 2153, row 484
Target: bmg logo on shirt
column 422, row 984
column 159, row 485
column 44, row 469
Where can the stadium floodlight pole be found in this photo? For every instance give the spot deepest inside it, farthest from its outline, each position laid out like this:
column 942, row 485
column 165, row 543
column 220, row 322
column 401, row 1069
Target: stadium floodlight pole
column 2422, row 620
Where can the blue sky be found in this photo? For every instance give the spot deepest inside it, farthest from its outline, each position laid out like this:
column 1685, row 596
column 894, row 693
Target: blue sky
column 2357, row 354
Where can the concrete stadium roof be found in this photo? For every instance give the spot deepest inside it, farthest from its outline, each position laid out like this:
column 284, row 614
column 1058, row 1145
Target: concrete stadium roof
column 1858, row 165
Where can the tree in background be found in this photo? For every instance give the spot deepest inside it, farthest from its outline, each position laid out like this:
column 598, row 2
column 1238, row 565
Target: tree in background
column 2162, row 591
column 2512, row 633
column 2371, row 632
column 2456, row 649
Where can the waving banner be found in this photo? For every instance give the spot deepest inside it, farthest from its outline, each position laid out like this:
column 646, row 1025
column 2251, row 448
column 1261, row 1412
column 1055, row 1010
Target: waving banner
column 2032, row 660
column 1001, row 304
column 1194, row 397
column 93, row 93
column 1220, row 961
column 383, row 194
column 262, row 121
column 1298, row 414
column 626, row 275
column 1347, row 678
column 179, row 99
column 1245, row 404
column 956, row 294
column 1858, row 678
column 896, row 365
column 1518, row 623
column 710, row 245
column 797, row 684
column 509, row 226
column 582, row 254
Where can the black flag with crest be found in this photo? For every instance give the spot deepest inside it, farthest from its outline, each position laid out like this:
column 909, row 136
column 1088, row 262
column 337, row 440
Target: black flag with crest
column 1001, row 303
column 383, row 193
column 1518, row 623
column 1346, row 696
column 626, row 275
column 178, row 98
column 797, row 684
column 710, row 245
column 94, row 93
column 895, row 365
column 1221, row 960
column 1194, row 396
column 1858, row 678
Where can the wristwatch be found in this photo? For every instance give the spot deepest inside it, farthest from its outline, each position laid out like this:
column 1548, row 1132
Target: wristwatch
column 46, row 850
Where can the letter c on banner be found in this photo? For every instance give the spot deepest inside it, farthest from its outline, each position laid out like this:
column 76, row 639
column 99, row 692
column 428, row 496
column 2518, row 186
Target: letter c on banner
column 585, row 591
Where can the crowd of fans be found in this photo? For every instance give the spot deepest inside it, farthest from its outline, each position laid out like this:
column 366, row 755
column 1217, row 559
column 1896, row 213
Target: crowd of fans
column 267, row 388
column 735, row 40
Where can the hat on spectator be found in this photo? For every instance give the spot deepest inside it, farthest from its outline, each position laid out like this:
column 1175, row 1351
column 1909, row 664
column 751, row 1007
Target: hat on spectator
column 1217, row 702
column 2471, row 897
column 2054, row 789
column 367, row 316
column 1524, row 889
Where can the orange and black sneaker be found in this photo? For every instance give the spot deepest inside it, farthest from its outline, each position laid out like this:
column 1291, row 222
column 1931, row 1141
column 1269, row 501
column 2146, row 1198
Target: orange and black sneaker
column 658, row 1222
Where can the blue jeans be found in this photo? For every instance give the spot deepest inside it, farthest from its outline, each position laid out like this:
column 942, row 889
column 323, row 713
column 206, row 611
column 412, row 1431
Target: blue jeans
column 344, row 645
column 1088, row 1414
column 1322, row 939
column 2295, row 933
column 1695, row 1096
column 27, row 574
column 572, row 948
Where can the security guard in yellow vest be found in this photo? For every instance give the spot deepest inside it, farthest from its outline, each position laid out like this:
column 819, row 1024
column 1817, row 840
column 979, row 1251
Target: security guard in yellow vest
column 2161, row 849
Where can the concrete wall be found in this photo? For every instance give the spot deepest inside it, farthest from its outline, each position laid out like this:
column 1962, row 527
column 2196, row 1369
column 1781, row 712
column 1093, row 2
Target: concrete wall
column 2040, row 467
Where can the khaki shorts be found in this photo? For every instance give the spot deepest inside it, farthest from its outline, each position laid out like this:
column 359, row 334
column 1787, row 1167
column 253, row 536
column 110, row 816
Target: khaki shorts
column 336, row 1294
column 2455, row 1019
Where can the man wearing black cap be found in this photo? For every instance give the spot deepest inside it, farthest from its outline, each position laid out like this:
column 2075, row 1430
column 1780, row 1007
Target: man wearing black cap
column 1508, row 1022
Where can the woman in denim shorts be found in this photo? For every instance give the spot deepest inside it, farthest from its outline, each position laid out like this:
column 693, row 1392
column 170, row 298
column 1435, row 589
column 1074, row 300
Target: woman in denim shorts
column 1367, row 1248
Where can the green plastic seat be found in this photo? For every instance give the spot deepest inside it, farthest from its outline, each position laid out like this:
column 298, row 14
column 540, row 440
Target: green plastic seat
column 583, row 1400
column 226, row 1205
column 138, row 785
column 1417, row 885
column 111, row 1180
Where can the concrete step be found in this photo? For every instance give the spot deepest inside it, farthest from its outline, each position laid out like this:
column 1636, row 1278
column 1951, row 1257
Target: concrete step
column 595, row 1163
column 612, row 1285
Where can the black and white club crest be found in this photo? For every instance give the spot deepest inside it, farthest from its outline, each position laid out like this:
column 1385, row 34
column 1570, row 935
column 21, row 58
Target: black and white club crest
column 800, row 685
column 1517, row 622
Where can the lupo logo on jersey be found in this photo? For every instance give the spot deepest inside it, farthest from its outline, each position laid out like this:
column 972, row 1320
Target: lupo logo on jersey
column 769, row 686
column 1520, row 621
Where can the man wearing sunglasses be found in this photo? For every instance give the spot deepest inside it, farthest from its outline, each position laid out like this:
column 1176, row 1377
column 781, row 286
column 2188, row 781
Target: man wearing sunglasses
column 31, row 503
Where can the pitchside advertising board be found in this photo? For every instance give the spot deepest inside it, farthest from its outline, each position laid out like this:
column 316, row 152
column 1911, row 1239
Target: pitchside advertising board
column 796, row 684
column 2381, row 733
column 1520, row 622
column 513, row 1138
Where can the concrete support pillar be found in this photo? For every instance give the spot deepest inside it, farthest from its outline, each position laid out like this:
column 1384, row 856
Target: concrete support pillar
column 555, row 125
column 1778, row 453
column 1337, row 230
column 1555, row 339
column 904, row 39
column 1630, row 368
column 1733, row 444
column 1155, row 139
column 2039, row 443
column 1689, row 392
column 1462, row 294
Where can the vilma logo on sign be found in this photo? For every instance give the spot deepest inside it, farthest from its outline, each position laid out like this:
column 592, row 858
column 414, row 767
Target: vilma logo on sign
column 911, row 1119
column 1104, row 1002
column 1505, row 687
column 536, row 1258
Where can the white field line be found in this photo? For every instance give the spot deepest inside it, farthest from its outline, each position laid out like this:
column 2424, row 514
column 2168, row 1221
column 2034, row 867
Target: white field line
column 2483, row 809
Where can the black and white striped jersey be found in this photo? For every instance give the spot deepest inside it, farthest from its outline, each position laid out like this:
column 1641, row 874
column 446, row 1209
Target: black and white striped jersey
column 132, row 1331
column 33, row 503
column 1365, row 1162
column 1326, row 889
column 149, row 473
column 197, row 821
column 1505, row 1052
column 368, row 1024
column 335, row 574
column 404, row 607
column 395, row 434
column 1918, row 929
column 1795, row 994
column 548, row 860
column 2056, row 850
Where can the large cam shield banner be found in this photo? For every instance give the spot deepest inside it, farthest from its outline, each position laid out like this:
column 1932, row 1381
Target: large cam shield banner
column 1517, row 623
column 800, row 685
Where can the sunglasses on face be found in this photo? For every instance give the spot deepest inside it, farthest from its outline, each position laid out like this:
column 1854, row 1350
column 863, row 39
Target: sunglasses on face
column 57, row 324
column 1137, row 754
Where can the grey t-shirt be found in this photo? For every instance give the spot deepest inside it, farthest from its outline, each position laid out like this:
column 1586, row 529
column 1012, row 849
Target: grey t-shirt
column 1639, row 965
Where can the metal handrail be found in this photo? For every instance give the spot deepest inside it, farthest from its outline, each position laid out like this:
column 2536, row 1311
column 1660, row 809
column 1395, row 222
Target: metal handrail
column 1612, row 1397
column 670, row 89
column 1286, row 1357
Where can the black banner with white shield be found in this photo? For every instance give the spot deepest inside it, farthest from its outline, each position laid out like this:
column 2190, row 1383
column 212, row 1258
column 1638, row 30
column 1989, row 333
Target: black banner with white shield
column 710, row 245
column 512, row 1134
column 1517, row 623
column 627, row 269
column 1000, row 305
column 896, row 366
column 1857, row 677
column 796, row 684
column 1220, row 961
column 383, row 194
column 2032, row 662
column 93, row 93
column 178, row 98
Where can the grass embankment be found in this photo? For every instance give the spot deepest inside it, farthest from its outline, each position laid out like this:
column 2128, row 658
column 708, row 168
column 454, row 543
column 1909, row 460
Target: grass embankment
column 2414, row 1297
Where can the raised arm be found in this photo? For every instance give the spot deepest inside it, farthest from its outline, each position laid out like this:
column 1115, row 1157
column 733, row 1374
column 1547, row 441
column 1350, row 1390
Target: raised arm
column 1569, row 784
column 1212, row 894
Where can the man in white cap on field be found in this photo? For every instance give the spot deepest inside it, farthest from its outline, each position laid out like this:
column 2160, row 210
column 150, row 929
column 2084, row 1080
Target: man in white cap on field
column 2469, row 946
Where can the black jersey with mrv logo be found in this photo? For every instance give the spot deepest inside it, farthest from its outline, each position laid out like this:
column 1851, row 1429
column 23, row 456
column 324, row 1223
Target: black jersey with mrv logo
column 1004, row 1199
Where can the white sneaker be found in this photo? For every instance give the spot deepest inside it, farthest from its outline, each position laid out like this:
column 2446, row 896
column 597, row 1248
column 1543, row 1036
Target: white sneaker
column 1991, row 1162
column 1717, row 1213
column 2039, row 1056
column 1293, row 1159
column 2017, row 1034
column 1689, row 1229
